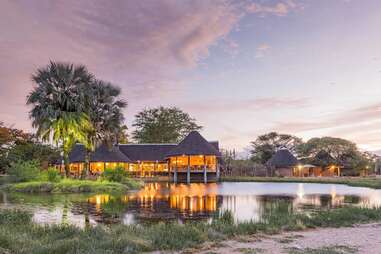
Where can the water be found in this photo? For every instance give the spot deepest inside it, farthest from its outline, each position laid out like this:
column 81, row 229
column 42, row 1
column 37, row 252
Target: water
column 163, row 202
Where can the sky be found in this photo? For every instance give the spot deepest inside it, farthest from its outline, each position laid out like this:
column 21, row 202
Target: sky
column 242, row 68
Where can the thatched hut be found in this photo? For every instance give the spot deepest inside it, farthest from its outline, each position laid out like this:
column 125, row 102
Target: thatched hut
column 282, row 163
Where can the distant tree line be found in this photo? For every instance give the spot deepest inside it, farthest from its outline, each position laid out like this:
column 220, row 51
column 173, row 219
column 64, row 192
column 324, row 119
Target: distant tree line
column 323, row 152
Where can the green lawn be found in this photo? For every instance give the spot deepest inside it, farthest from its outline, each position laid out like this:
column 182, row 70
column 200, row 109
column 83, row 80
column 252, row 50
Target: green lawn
column 19, row 235
column 73, row 186
column 370, row 182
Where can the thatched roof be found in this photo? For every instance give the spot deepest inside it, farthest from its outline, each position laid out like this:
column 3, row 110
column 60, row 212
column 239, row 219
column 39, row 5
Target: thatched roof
column 194, row 144
column 282, row 158
column 102, row 154
column 146, row 152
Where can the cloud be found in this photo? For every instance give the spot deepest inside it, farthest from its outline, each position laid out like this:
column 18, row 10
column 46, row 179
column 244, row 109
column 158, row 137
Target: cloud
column 262, row 50
column 279, row 9
column 258, row 104
column 140, row 45
column 360, row 125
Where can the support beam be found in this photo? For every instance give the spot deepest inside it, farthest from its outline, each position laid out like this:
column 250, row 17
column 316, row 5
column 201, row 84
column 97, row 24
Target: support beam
column 205, row 173
column 175, row 175
column 217, row 170
column 188, row 171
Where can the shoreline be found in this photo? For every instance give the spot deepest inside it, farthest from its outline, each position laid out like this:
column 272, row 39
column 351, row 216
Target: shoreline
column 368, row 182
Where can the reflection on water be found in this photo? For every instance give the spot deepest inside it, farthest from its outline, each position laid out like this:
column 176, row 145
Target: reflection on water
column 164, row 201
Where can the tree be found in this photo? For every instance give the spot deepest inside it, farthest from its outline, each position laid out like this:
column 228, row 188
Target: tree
column 58, row 105
column 9, row 137
column 17, row 145
column 105, row 112
column 28, row 151
column 265, row 146
column 327, row 151
column 163, row 125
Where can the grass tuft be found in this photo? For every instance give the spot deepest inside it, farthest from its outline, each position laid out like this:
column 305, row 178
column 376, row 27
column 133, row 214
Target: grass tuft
column 73, row 186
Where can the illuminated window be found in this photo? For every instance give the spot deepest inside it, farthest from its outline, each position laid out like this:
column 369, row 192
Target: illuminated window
column 97, row 167
column 134, row 167
column 162, row 167
column 211, row 162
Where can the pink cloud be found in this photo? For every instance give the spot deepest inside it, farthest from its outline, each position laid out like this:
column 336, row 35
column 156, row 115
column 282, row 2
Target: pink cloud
column 279, row 9
column 360, row 125
column 140, row 45
column 258, row 104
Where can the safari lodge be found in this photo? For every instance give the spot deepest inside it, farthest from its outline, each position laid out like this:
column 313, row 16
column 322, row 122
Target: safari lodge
column 192, row 160
column 283, row 163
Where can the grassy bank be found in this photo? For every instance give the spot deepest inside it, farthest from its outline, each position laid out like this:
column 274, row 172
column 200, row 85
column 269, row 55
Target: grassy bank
column 370, row 182
column 18, row 234
column 73, row 186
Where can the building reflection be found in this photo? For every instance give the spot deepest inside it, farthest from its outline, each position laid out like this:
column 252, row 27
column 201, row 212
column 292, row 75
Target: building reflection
column 161, row 201
column 166, row 201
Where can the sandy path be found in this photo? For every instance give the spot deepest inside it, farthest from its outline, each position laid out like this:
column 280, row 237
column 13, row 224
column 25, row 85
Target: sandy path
column 363, row 238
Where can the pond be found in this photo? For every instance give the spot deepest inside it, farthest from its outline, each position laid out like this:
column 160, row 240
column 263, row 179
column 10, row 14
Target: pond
column 181, row 202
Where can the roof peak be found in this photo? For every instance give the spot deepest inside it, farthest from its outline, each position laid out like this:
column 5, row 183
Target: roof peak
column 194, row 144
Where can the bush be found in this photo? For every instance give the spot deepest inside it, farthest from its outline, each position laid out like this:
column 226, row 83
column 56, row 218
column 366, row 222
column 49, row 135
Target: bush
column 24, row 171
column 53, row 175
column 114, row 175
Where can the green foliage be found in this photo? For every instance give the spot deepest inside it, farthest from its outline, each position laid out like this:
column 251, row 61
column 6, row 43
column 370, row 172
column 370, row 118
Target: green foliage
column 16, row 145
column 114, row 175
column 326, row 151
column 69, row 186
column 23, row 171
column 15, row 217
column 19, row 235
column 163, row 125
column 53, row 175
column 265, row 146
column 31, row 150
column 105, row 111
column 58, row 104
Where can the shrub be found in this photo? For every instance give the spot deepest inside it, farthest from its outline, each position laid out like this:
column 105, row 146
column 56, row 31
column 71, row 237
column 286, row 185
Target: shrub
column 53, row 175
column 24, row 171
column 114, row 175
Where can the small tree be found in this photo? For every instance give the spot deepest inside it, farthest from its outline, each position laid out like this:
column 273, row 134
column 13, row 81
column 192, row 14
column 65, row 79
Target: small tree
column 163, row 125
column 265, row 146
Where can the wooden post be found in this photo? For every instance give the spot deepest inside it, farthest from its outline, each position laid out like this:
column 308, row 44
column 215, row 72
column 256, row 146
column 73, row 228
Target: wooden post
column 217, row 170
column 175, row 173
column 188, row 171
column 205, row 173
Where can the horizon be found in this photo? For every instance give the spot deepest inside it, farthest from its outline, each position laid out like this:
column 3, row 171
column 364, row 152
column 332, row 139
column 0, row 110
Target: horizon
column 305, row 68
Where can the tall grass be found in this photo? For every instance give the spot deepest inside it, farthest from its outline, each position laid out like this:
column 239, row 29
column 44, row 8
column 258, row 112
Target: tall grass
column 18, row 234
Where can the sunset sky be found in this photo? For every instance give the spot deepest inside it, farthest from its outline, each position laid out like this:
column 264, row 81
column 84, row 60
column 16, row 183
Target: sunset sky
column 241, row 68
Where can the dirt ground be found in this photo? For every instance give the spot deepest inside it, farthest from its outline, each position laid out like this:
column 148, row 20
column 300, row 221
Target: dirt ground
column 359, row 239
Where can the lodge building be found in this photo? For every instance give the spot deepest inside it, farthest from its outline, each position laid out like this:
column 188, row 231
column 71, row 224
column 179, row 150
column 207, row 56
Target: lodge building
column 283, row 163
column 193, row 159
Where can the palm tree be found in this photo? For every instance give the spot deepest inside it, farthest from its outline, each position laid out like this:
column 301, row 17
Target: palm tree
column 105, row 112
column 58, row 105
column 69, row 128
